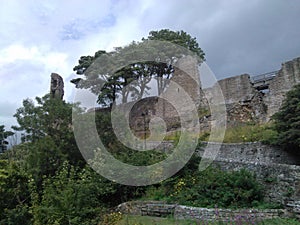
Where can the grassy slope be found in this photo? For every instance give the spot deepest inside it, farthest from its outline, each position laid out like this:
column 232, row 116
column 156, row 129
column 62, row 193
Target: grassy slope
column 147, row 220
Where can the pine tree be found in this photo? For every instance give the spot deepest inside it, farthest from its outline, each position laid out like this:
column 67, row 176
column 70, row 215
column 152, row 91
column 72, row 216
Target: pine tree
column 287, row 121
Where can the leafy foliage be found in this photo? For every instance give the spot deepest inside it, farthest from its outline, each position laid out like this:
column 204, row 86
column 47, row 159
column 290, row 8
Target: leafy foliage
column 48, row 122
column 287, row 121
column 14, row 194
column 102, row 79
column 177, row 37
column 224, row 189
column 3, row 135
column 210, row 188
column 50, row 172
column 71, row 196
column 247, row 133
column 49, row 138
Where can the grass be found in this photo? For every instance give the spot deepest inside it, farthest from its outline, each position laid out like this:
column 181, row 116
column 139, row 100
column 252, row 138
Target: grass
column 246, row 133
column 147, row 220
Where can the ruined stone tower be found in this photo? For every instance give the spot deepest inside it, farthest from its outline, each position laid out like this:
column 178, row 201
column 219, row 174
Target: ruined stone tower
column 185, row 79
column 56, row 86
column 182, row 95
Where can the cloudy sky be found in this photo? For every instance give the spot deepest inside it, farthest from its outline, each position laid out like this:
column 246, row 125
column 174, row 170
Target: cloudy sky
column 40, row 37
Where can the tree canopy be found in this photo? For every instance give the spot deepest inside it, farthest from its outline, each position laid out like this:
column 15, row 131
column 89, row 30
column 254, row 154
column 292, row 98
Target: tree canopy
column 48, row 121
column 287, row 121
column 3, row 135
column 120, row 82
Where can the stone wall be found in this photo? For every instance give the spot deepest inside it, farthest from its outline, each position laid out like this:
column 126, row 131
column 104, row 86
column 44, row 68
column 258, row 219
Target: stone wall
column 147, row 208
column 150, row 108
column 281, row 182
column 237, row 89
column 278, row 170
column 245, row 103
column 241, row 215
column 186, row 75
column 293, row 207
column 248, row 152
column 287, row 77
column 161, row 209
column 274, row 168
column 252, row 152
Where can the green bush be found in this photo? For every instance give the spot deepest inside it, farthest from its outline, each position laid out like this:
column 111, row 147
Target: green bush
column 14, row 195
column 287, row 121
column 209, row 188
column 214, row 187
column 69, row 197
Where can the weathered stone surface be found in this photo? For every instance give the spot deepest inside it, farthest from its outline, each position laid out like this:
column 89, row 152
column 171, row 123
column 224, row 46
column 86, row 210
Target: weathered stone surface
column 161, row 209
column 293, row 208
column 245, row 103
column 57, row 86
column 252, row 152
column 249, row 215
column 237, row 89
column 188, row 78
column 278, row 170
column 287, row 77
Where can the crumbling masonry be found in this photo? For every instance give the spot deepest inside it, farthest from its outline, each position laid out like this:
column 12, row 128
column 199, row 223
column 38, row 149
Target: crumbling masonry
column 247, row 99
column 250, row 100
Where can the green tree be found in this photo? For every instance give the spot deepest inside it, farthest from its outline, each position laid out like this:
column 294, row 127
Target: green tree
column 3, row 135
column 49, row 137
column 71, row 196
column 14, row 194
column 50, row 118
column 143, row 72
column 177, row 37
column 287, row 121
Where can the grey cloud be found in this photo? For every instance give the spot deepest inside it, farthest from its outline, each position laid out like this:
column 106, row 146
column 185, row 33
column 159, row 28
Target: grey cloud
column 80, row 28
column 23, row 79
column 237, row 37
column 7, row 108
column 256, row 41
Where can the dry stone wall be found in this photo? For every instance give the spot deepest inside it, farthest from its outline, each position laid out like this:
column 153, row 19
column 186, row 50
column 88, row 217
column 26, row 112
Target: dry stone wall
column 281, row 182
column 228, row 215
column 161, row 209
column 277, row 170
column 252, row 152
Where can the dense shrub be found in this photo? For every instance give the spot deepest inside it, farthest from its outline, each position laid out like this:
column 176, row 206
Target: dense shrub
column 209, row 188
column 14, row 194
column 287, row 121
column 214, row 187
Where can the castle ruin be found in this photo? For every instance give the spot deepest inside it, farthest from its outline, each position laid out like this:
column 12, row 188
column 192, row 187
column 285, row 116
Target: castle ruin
column 247, row 98
column 258, row 98
column 56, row 86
